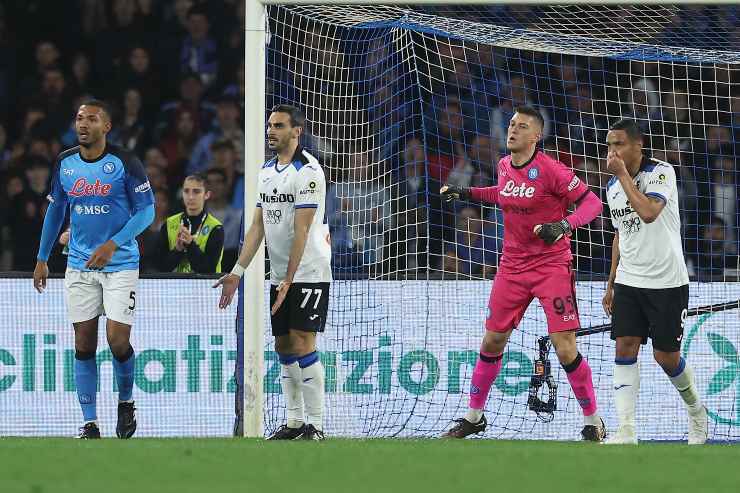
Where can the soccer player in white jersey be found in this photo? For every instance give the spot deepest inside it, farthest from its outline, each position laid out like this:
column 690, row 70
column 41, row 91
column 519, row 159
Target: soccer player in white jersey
column 290, row 216
column 648, row 290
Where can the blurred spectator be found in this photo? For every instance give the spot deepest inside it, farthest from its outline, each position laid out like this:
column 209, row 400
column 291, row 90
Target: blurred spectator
column 484, row 156
column 405, row 248
column 81, row 74
column 219, row 206
column 513, row 94
column 693, row 190
column 139, row 73
column 718, row 143
column 149, row 239
column 717, row 254
column 190, row 99
column 643, row 105
column 725, row 190
column 56, row 99
column 131, row 132
column 192, row 240
column 199, row 52
column 227, row 127
column 47, row 56
column 4, row 150
column 473, row 254
column 591, row 244
column 365, row 204
column 26, row 213
column 445, row 139
column 157, row 178
column 583, row 127
column 179, row 143
column 124, row 30
column 676, row 114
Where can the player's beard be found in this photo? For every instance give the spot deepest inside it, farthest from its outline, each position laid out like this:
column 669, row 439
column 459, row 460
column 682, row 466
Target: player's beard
column 88, row 144
column 91, row 140
column 279, row 145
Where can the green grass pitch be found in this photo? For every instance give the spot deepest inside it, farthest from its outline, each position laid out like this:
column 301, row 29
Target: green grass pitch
column 356, row 466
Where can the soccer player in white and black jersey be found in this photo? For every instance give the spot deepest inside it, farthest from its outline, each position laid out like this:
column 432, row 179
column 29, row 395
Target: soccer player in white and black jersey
column 290, row 216
column 648, row 290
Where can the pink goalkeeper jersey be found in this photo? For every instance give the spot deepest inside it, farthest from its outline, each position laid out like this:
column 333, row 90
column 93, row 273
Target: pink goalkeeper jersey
column 537, row 192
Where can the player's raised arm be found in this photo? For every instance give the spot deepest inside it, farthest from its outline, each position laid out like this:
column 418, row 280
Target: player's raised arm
column 647, row 205
column 252, row 242
column 488, row 195
column 625, row 145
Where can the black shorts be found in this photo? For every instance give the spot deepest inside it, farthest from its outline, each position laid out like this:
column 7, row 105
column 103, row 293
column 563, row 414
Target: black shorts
column 304, row 308
column 655, row 313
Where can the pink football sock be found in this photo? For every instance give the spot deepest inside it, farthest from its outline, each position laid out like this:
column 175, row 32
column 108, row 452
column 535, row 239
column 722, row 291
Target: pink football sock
column 485, row 372
column 579, row 376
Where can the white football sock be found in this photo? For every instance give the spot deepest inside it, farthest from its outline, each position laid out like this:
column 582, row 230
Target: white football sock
column 684, row 383
column 312, row 385
column 626, row 389
column 291, row 383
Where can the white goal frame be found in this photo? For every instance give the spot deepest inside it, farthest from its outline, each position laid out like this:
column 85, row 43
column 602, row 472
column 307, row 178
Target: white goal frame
column 254, row 134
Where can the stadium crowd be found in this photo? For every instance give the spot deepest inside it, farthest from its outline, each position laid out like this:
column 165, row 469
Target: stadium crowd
column 173, row 72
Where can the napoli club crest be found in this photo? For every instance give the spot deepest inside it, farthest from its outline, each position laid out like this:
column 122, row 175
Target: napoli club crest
column 533, row 173
column 205, row 230
column 109, row 168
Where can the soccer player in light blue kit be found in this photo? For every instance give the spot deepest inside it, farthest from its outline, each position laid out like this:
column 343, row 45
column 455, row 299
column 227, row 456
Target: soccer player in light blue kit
column 110, row 203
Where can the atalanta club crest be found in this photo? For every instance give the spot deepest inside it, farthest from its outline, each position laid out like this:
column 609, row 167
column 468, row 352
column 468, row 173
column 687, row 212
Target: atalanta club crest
column 109, row 168
column 533, row 173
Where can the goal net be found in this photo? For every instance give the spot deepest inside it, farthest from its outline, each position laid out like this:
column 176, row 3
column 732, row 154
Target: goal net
column 402, row 100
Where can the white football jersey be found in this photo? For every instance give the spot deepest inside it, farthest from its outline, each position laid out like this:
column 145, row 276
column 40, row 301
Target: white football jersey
column 282, row 190
column 651, row 255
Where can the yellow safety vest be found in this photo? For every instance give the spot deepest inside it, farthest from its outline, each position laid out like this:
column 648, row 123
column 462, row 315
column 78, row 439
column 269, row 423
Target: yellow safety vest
column 200, row 238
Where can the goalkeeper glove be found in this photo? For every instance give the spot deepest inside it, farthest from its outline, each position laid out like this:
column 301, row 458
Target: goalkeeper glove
column 452, row 192
column 552, row 232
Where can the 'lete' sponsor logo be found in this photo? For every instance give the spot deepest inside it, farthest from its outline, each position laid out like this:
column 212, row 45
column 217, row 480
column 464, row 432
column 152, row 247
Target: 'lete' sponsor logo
column 82, row 188
column 511, row 189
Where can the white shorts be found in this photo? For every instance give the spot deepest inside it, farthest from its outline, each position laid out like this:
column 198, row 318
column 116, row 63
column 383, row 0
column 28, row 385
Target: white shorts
column 91, row 294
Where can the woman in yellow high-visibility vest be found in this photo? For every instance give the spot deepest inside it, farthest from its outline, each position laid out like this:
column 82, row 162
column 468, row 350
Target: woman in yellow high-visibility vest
column 192, row 240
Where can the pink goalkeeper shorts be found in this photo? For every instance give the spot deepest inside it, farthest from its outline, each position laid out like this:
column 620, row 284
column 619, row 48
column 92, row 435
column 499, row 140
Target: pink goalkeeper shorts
column 553, row 285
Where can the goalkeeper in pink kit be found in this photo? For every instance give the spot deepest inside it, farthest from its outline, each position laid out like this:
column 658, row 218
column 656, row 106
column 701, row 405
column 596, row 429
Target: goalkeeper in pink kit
column 534, row 192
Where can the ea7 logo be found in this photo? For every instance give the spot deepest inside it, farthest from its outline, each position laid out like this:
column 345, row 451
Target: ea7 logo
column 68, row 171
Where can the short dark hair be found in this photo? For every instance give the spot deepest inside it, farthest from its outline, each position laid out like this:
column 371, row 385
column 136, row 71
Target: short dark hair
column 98, row 104
column 199, row 177
column 36, row 161
column 217, row 171
column 223, row 143
column 630, row 127
column 198, row 9
column 297, row 118
column 531, row 111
